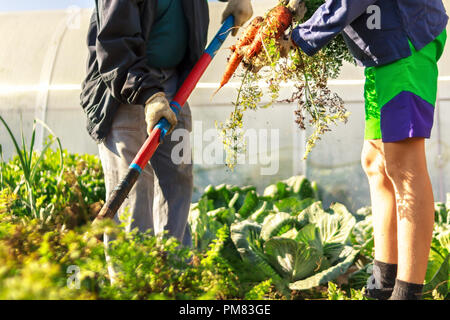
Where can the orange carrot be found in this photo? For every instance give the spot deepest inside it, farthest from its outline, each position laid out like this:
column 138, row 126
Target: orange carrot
column 237, row 55
column 277, row 21
column 250, row 33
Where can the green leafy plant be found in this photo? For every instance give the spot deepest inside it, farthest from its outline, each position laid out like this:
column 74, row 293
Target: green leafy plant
column 335, row 293
column 29, row 163
column 35, row 259
column 51, row 184
column 279, row 245
column 260, row 291
column 299, row 252
column 225, row 204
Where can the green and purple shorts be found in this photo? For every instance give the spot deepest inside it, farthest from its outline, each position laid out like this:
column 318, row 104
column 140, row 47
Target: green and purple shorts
column 400, row 97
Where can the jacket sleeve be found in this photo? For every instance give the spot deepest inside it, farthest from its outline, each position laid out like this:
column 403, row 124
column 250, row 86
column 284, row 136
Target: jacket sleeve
column 327, row 22
column 121, row 52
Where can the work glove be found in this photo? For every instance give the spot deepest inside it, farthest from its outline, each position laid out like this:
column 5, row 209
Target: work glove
column 156, row 108
column 241, row 10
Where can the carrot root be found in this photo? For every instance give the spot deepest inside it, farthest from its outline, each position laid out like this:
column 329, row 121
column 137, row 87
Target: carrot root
column 250, row 44
column 238, row 55
column 277, row 21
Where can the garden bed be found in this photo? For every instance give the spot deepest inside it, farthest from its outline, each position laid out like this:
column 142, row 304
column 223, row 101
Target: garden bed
column 281, row 244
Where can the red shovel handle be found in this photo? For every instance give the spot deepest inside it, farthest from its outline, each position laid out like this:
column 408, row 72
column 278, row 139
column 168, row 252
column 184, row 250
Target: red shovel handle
column 146, row 152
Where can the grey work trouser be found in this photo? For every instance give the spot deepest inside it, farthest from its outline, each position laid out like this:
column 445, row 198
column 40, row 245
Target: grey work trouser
column 160, row 199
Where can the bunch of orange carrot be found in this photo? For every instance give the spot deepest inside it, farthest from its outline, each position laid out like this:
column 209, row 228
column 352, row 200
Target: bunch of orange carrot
column 250, row 44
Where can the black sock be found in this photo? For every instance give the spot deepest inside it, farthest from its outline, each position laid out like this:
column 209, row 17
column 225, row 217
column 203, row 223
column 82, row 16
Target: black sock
column 384, row 274
column 381, row 284
column 406, row 291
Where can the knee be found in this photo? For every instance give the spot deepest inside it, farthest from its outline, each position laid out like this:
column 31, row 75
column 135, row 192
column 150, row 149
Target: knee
column 405, row 160
column 373, row 165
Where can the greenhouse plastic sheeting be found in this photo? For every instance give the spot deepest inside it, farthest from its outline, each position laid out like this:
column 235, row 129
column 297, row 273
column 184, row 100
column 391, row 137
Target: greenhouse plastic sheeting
column 41, row 78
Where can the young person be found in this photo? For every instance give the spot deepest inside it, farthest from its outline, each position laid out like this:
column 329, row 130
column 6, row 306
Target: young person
column 399, row 43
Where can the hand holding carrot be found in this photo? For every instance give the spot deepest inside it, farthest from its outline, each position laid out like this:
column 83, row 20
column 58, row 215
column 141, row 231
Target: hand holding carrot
column 277, row 21
column 275, row 24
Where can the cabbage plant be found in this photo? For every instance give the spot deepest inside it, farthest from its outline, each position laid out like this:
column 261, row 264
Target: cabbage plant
column 300, row 251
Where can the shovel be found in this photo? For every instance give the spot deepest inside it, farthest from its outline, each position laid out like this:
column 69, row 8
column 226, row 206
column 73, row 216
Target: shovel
column 119, row 194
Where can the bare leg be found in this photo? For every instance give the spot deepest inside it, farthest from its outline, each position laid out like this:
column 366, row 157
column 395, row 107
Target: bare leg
column 407, row 168
column 382, row 196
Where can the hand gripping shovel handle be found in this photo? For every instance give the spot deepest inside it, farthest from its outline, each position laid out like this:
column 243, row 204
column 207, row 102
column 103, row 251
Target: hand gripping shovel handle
column 119, row 194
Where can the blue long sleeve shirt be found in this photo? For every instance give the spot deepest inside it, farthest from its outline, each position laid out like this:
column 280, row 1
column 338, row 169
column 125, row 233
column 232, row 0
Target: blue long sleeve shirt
column 376, row 31
column 168, row 40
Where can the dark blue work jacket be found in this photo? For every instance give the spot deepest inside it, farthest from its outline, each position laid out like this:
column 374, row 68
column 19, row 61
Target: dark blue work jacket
column 376, row 31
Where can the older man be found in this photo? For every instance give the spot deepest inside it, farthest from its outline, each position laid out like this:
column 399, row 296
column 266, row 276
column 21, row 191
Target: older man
column 140, row 51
